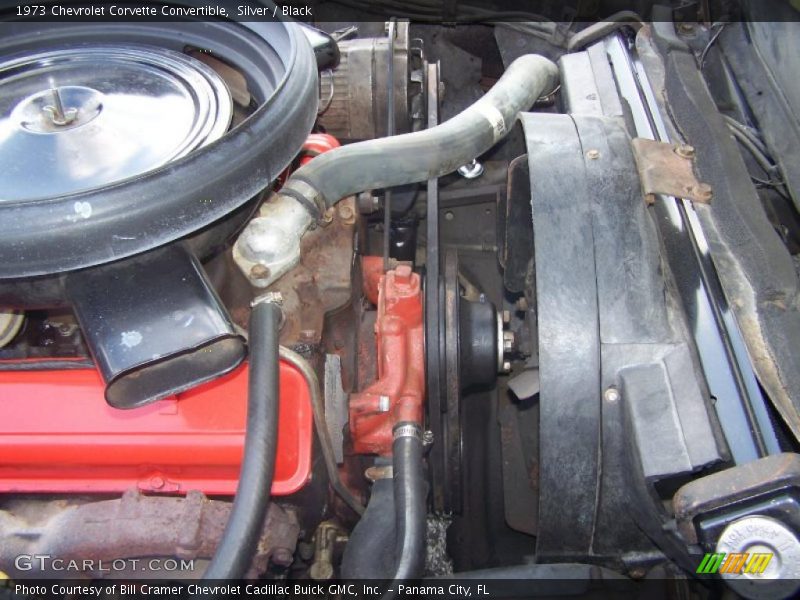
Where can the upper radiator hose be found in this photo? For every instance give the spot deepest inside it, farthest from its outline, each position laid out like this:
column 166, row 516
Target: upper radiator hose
column 273, row 240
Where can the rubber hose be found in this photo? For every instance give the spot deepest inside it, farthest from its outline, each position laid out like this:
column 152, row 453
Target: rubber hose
column 370, row 551
column 410, row 491
column 422, row 155
column 245, row 524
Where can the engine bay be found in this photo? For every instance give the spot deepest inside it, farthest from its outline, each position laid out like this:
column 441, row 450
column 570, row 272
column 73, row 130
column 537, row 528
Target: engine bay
column 389, row 295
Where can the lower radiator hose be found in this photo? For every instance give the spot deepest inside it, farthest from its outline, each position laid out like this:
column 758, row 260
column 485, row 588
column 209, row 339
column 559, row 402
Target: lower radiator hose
column 238, row 544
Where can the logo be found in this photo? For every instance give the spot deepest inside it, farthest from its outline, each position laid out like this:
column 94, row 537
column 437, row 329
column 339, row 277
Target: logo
column 735, row 563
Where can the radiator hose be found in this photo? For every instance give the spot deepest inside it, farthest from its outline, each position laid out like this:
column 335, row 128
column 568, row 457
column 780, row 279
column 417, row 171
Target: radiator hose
column 273, row 240
column 237, row 546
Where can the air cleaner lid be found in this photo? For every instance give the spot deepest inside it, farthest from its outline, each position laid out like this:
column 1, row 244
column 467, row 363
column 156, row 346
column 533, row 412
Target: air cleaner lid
column 79, row 118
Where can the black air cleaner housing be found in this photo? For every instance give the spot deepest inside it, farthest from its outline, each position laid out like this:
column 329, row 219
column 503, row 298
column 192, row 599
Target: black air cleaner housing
column 120, row 168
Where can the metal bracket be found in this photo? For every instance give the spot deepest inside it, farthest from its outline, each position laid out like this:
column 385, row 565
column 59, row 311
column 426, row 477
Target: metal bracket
column 667, row 169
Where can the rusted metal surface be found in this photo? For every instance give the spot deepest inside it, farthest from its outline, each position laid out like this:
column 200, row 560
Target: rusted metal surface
column 732, row 485
column 133, row 526
column 666, row 169
column 398, row 394
column 322, row 281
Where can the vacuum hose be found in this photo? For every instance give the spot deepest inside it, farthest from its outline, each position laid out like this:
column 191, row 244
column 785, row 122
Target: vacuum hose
column 273, row 240
column 238, row 543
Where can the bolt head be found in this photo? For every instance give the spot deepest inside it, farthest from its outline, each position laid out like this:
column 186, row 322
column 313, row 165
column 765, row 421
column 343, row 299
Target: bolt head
column 259, row 271
column 593, row 154
column 471, row 170
column 702, row 192
column 685, row 150
column 307, row 335
column 612, row 394
column 509, row 341
column 282, row 557
column 506, row 367
column 345, row 212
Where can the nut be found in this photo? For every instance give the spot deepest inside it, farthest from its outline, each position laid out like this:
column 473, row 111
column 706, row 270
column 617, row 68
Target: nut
column 509, row 341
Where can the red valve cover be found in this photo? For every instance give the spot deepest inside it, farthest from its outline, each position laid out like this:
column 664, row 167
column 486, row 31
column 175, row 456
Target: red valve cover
column 57, row 434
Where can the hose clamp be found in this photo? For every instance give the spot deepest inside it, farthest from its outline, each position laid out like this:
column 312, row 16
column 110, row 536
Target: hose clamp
column 407, row 430
column 275, row 298
column 306, row 195
column 268, row 298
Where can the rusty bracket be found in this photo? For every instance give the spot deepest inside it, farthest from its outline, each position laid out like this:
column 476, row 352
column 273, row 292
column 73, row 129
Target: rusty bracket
column 667, row 169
